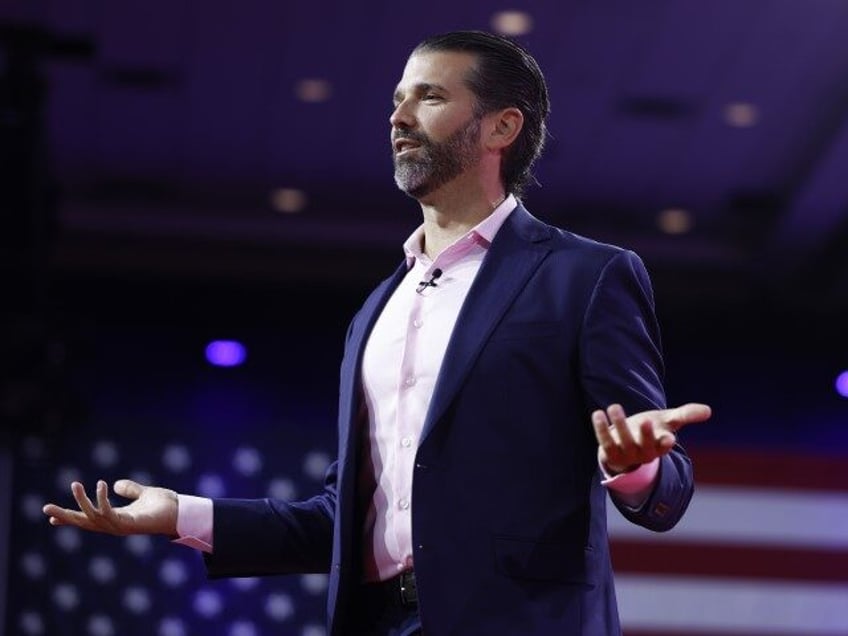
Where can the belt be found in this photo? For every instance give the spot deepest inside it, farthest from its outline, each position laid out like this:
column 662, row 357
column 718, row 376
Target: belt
column 399, row 590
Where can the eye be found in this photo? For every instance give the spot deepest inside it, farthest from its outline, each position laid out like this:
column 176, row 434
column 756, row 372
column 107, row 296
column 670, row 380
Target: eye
column 429, row 97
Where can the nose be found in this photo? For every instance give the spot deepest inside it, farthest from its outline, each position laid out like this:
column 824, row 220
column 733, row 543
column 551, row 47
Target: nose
column 402, row 116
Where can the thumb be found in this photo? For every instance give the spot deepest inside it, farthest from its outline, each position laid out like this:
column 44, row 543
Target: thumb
column 128, row 488
column 688, row 414
column 694, row 412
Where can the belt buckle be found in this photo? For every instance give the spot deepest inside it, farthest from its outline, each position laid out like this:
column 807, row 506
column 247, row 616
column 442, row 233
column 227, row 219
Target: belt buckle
column 408, row 588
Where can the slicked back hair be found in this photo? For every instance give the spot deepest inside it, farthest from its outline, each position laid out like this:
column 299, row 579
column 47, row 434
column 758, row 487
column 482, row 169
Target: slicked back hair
column 505, row 76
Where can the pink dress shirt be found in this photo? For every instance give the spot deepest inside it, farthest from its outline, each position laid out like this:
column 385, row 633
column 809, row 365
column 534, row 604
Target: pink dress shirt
column 399, row 369
column 400, row 366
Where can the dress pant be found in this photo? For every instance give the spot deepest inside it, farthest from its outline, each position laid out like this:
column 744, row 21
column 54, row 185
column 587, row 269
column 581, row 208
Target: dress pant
column 387, row 608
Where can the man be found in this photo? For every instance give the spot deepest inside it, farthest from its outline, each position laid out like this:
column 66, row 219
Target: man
column 468, row 495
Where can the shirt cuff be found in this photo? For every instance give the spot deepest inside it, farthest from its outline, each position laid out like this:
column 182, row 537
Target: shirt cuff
column 633, row 488
column 194, row 522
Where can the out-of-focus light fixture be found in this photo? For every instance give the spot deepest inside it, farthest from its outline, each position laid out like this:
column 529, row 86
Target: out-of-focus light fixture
column 225, row 353
column 741, row 114
column 512, row 23
column 842, row 384
column 313, row 91
column 288, row 200
column 675, row 221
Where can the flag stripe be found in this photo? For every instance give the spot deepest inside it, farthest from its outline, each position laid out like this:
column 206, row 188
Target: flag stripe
column 770, row 470
column 685, row 605
column 711, row 560
column 758, row 517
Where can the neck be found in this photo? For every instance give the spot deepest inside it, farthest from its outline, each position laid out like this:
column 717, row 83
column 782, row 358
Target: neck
column 452, row 211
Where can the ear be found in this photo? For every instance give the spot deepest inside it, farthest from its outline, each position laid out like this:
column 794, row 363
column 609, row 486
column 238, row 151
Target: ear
column 504, row 128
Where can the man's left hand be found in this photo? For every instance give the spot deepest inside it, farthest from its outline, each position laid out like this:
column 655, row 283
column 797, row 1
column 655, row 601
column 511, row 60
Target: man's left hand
column 625, row 443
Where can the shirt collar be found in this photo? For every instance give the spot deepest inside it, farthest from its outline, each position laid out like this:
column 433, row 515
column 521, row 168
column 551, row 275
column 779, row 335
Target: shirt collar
column 484, row 231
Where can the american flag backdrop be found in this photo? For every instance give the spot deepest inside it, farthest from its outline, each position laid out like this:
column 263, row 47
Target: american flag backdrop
column 762, row 551
column 158, row 412
column 68, row 582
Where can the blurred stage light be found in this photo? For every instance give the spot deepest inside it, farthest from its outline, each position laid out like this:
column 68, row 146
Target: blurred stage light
column 313, row 90
column 675, row 221
column 247, row 461
column 225, row 353
column 208, row 603
column 210, row 485
column 842, row 384
column 741, row 114
column 512, row 23
column 288, row 200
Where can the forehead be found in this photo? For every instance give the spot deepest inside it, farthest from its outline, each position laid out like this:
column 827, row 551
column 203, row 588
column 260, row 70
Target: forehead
column 447, row 69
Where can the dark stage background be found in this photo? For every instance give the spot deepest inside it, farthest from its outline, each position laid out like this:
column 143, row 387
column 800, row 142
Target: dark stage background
column 173, row 173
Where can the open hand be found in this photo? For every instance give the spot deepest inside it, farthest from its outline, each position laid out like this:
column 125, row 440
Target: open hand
column 625, row 443
column 152, row 511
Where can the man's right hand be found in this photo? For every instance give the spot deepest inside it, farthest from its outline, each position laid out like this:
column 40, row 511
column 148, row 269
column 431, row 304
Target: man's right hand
column 152, row 511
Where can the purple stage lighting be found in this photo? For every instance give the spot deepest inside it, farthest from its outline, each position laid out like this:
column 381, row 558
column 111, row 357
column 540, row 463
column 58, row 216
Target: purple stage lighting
column 225, row 353
column 842, row 384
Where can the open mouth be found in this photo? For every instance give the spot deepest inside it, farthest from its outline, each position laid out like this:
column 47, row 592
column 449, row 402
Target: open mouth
column 403, row 146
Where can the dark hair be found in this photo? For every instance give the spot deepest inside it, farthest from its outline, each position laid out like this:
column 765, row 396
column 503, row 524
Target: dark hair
column 506, row 75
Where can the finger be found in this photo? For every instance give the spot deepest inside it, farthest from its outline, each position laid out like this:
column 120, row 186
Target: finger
column 108, row 516
column 128, row 488
column 103, row 498
column 109, row 519
column 647, row 438
column 666, row 441
column 691, row 413
column 695, row 412
column 78, row 490
column 661, row 442
column 609, row 450
column 64, row 517
column 606, row 444
column 619, row 423
column 602, row 429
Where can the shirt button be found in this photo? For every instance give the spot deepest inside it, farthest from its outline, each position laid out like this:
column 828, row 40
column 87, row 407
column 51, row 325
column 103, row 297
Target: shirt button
column 403, row 504
column 406, row 442
column 417, row 323
column 410, row 381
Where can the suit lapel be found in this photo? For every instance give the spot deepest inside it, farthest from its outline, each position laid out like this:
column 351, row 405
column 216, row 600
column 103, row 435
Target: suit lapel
column 352, row 364
column 516, row 252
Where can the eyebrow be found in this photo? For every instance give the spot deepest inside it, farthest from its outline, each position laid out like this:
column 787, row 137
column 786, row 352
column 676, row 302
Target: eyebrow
column 423, row 87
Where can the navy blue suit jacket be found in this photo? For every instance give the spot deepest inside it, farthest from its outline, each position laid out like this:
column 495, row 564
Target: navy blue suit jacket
column 508, row 519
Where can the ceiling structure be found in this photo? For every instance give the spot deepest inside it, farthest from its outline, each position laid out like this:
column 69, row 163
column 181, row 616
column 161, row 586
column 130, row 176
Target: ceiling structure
column 711, row 137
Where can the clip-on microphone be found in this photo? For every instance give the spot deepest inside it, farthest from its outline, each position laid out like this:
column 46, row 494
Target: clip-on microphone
column 424, row 284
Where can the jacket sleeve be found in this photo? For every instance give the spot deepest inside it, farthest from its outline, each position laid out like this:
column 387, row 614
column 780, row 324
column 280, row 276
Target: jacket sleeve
column 621, row 362
column 253, row 537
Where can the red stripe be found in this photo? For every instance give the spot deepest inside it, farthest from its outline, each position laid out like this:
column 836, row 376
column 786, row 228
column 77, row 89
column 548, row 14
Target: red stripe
column 713, row 560
column 770, row 470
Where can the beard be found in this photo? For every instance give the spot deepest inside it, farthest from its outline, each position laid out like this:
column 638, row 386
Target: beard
column 436, row 163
